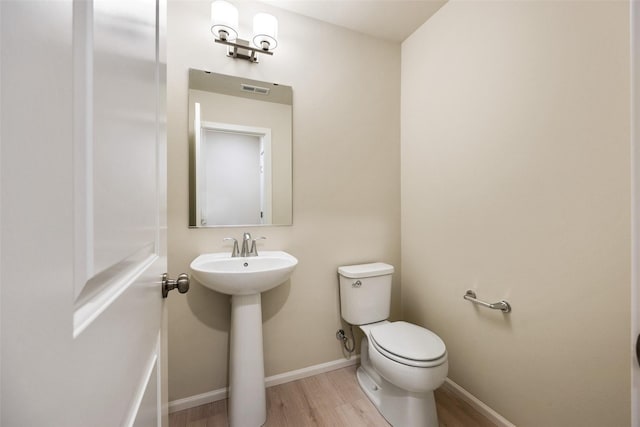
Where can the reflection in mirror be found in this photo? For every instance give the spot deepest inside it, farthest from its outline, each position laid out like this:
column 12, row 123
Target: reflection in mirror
column 240, row 151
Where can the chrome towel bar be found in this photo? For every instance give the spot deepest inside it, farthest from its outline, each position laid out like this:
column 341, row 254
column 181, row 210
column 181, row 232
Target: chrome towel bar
column 504, row 306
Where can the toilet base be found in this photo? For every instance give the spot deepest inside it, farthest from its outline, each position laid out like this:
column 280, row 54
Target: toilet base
column 401, row 408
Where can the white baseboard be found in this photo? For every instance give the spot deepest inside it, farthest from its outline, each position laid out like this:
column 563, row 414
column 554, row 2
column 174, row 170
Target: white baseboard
column 197, row 400
column 221, row 393
column 310, row 371
column 477, row 404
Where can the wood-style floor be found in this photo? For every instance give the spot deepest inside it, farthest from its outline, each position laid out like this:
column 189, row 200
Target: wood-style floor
column 332, row 399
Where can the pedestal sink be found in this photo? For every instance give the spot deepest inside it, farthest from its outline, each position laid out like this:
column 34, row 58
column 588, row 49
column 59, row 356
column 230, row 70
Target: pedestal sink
column 244, row 278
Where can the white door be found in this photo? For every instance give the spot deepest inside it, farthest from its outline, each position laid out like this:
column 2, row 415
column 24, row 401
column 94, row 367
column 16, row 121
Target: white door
column 83, row 212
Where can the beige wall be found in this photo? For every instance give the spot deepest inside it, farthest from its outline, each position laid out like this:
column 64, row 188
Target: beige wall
column 515, row 182
column 346, row 203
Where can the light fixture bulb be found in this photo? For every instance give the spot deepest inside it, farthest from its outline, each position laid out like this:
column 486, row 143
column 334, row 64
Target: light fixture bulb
column 224, row 20
column 265, row 31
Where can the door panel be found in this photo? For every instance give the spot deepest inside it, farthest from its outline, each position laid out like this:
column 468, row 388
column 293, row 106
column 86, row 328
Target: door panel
column 124, row 146
column 117, row 138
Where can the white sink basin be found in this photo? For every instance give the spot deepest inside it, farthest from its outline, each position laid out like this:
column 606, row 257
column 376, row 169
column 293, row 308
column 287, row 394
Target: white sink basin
column 243, row 275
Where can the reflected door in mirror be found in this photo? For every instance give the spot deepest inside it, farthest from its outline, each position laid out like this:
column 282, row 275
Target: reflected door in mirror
column 235, row 184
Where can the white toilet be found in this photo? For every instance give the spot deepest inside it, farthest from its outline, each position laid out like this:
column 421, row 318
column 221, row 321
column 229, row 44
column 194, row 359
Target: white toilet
column 401, row 363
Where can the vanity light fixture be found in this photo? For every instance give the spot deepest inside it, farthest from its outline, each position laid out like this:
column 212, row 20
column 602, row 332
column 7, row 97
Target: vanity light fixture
column 224, row 27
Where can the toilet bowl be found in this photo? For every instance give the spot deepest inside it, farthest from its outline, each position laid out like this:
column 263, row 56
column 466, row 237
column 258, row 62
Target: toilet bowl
column 408, row 356
column 401, row 364
column 402, row 387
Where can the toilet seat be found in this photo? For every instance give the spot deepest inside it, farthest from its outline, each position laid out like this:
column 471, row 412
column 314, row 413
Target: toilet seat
column 408, row 344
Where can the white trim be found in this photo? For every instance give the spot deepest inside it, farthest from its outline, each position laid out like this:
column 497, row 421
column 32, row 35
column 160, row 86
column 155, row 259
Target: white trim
column 221, row 393
column 197, row 400
column 152, row 366
column 232, row 128
column 310, row 371
column 477, row 404
column 159, row 361
column 89, row 311
column 83, row 185
column 197, row 146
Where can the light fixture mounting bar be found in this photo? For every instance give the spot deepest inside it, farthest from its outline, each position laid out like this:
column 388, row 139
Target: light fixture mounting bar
column 236, row 50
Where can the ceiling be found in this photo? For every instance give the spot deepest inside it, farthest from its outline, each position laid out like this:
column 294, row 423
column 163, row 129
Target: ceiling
column 392, row 20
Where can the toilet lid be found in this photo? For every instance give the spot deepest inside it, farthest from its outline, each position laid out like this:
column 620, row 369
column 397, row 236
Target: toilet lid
column 408, row 341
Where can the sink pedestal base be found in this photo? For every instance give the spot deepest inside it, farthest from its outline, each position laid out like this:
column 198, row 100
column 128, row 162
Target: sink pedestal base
column 247, row 397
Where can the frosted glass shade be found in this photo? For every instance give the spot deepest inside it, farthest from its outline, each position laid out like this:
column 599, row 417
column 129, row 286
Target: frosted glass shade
column 224, row 20
column 265, row 31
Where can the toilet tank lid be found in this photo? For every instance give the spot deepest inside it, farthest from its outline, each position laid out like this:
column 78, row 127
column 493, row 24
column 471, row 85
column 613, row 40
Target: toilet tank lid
column 365, row 270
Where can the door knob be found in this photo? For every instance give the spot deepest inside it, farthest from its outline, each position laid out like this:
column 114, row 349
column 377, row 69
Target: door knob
column 182, row 284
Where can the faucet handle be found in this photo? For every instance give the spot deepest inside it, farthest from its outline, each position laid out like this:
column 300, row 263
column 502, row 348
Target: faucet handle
column 235, row 251
column 254, row 249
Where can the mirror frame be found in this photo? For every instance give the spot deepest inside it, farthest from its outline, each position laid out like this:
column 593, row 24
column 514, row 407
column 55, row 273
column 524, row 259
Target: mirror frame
column 222, row 84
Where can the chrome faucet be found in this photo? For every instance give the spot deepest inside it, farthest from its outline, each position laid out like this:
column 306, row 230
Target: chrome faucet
column 246, row 249
column 246, row 238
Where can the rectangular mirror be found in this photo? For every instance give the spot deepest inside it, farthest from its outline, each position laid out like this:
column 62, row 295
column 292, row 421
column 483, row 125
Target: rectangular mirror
column 240, row 167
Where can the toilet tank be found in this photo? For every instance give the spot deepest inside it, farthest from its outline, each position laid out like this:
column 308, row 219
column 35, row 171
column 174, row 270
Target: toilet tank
column 365, row 292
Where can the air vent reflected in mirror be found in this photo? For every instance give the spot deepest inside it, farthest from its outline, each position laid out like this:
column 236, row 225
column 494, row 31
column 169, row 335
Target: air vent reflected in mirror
column 254, row 89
